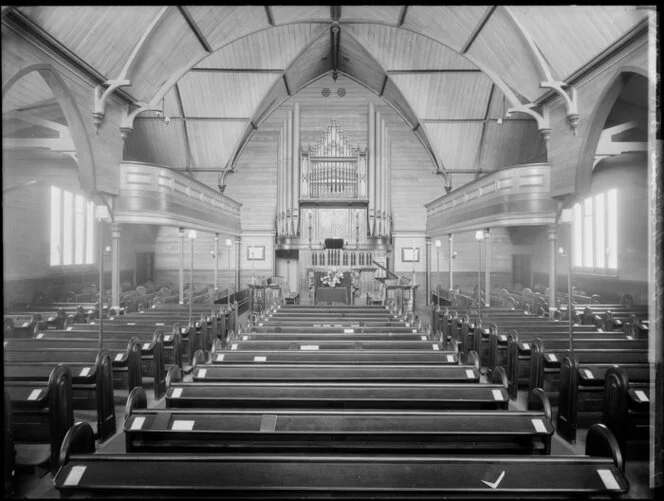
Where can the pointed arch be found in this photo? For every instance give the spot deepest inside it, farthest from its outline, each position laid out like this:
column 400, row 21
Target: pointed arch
column 79, row 134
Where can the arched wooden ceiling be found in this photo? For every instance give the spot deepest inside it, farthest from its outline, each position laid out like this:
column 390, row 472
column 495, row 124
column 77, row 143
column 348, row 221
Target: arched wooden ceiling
column 222, row 69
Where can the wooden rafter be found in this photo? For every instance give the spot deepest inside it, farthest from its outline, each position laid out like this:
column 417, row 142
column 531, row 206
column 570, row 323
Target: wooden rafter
column 402, row 15
column 187, row 144
column 197, row 119
column 236, row 70
column 270, row 17
column 28, row 29
column 194, row 27
column 445, row 70
column 34, row 120
column 480, row 25
column 480, row 147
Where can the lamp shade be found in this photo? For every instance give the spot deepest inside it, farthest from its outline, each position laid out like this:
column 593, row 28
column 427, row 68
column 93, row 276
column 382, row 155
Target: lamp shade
column 229, row 242
column 101, row 212
column 438, row 243
column 566, row 216
column 479, row 235
column 192, row 234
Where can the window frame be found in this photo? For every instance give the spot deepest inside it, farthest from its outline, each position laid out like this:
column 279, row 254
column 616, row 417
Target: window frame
column 581, row 223
column 87, row 233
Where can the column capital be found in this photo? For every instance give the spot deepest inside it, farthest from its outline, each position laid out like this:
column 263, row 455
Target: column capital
column 487, row 233
column 427, row 240
column 181, row 230
column 238, row 240
column 450, row 236
column 216, row 236
column 552, row 231
column 115, row 230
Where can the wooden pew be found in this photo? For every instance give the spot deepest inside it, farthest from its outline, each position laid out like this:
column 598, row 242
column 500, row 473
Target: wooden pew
column 267, row 372
column 197, row 334
column 22, row 326
column 350, row 431
column 92, row 386
column 10, row 451
column 332, row 345
column 314, row 337
column 519, row 352
column 287, row 476
column 41, row 411
column 626, row 410
column 499, row 338
column 173, row 330
column 316, row 395
column 582, row 388
column 214, row 316
column 329, row 328
column 547, row 354
column 174, row 338
column 152, row 349
column 328, row 357
column 125, row 357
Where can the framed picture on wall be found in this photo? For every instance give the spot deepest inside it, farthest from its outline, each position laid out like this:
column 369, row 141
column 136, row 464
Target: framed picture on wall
column 410, row 254
column 255, row 253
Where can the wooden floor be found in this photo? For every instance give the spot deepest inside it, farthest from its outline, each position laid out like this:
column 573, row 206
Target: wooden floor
column 39, row 484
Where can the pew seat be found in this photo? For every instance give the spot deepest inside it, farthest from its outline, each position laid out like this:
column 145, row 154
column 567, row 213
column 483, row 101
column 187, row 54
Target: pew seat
column 286, row 476
column 351, row 431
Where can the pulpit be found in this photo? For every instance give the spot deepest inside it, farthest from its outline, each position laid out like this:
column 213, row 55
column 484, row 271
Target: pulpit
column 262, row 296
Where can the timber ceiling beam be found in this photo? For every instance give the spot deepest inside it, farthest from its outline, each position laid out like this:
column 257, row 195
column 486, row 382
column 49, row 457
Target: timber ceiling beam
column 288, row 91
column 471, row 120
column 269, row 15
column 34, row 120
column 382, row 87
column 185, row 132
column 402, row 16
column 31, row 31
column 198, row 119
column 478, row 29
column 236, row 70
column 480, row 146
column 442, row 70
column 335, row 12
column 194, row 27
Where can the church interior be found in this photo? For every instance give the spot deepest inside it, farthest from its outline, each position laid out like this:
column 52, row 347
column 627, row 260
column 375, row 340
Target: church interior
column 379, row 251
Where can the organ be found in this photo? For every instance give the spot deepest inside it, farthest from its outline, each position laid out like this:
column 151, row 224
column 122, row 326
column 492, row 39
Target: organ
column 335, row 189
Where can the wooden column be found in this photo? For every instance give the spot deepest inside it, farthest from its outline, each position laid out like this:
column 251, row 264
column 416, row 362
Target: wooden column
column 379, row 171
column 237, row 263
column 428, row 271
column 216, row 261
column 181, row 269
column 553, row 266
column 289, row 173
column 284, row 176
column 115, row 267
column 388, row 186
column 296, row 168
column 450, row 243
column 383, row 197
column 371, row 174
column 487, row 261
column 280, row 187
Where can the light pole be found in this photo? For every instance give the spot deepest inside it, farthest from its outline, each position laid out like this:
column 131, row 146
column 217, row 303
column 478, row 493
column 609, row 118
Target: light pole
column 229, row 243
column 438, row 244
column 566, row 217
column 101, row 214
column 192, row 237
column 479, row 236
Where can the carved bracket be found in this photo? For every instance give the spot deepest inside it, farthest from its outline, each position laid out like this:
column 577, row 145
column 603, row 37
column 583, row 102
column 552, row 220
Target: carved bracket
column 570, row 99
column 448, row 181
column 127, row 124
column 543, row 125
column 100, row 98
column 221, row 182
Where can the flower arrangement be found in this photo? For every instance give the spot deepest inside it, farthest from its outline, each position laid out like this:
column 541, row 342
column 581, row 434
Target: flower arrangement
column 332, row 278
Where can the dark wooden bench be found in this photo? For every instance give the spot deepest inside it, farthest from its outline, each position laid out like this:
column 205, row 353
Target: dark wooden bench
column 499, row 339
column 627, row 411
column 10, row 488
column 523, row 370
column 310, row 395
column 288, row 476
column 92, row 386
column 329, row 328
column 152, row 349
column 199, row 321
column 548, row 353
column 582, row 390
column 292, row 298
column 41, row 411
column 267, row 372
column 328, row 357
column 172, row 332
column 341, row 344
column 214, row 315
column 125, row 357
column 337, row 431
column 314, row 337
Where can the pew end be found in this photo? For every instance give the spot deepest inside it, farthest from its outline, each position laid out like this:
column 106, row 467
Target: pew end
column 600, row 442
column 499, row 376
column 173, row 375
column 137, row 399
column 80, row 439
column 539, row 401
